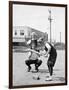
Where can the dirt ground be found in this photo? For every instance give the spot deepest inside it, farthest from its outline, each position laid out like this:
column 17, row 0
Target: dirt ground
column 22, row 77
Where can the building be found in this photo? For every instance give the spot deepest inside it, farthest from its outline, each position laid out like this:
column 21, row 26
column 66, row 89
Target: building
column 23, row 33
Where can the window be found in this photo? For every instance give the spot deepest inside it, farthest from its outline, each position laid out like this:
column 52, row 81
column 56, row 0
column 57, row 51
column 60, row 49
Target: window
column 21, row 32
column 15, row 32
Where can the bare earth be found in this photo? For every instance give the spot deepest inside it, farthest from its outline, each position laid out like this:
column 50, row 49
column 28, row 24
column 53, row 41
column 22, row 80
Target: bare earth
column 22, row 77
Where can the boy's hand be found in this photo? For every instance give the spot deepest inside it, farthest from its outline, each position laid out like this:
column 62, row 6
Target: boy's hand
column 45, row 55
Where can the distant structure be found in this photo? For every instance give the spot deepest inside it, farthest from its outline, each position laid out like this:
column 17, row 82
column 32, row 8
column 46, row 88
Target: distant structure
column 23, row 33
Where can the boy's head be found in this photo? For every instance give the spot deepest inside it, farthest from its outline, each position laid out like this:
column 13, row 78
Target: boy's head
column 33, row 36
column 33, row 40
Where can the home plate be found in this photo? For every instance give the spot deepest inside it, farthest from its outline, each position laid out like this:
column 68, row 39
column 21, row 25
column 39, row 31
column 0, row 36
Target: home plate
column 36, row 77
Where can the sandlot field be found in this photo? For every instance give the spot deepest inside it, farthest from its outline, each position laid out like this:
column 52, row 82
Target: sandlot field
column 22, row 77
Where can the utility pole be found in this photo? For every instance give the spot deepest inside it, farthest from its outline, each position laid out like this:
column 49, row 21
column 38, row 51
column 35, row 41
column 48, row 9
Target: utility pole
column 60, row 37
column 50, row 20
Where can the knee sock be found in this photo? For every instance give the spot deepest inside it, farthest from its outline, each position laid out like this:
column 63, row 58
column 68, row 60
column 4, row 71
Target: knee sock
column 50, row 70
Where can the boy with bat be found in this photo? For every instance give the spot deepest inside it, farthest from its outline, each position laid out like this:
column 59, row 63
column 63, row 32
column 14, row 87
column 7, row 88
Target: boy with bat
column 51, row 53
column 33, row 56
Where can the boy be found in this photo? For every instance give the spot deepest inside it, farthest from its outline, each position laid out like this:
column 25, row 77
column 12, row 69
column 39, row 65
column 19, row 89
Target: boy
column 33, row 57
column 51, row 51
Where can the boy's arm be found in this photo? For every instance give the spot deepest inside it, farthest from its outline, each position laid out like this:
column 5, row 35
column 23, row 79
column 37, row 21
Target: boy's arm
column 31, row 50
column 49, row 48
column 47, row 53
column 34, row 51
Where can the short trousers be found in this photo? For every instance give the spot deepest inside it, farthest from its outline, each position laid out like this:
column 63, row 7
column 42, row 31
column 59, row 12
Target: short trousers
column 52, row 59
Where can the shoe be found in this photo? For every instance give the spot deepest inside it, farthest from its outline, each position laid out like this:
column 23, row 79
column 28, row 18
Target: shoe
column 49, row 78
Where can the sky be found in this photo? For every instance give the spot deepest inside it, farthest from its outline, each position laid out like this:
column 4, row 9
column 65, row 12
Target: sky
column 37, row 17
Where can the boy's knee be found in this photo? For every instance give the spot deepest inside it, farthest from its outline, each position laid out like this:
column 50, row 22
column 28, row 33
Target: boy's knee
column 50, row 63
column 39, row 62
column 27, row 62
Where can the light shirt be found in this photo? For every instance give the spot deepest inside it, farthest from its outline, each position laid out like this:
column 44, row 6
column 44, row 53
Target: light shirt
column 48, row 46
column 33, row 56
